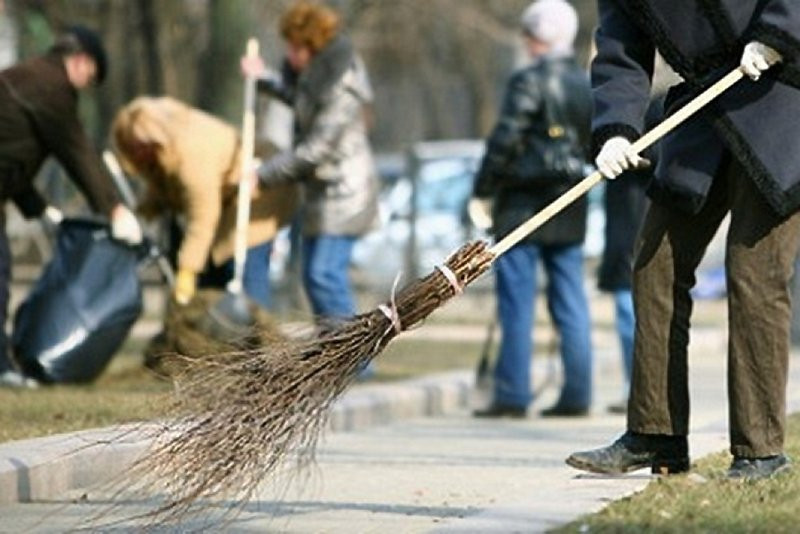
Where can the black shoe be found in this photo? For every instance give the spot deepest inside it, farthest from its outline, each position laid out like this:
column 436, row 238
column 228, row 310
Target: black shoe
column 759, row 468
column 501, row 410
column 562, row 411
column 665, row 455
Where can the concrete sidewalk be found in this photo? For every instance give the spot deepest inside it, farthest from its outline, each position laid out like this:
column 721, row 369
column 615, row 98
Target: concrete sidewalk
column 444, row 472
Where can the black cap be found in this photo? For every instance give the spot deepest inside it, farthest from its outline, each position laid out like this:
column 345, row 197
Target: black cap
column 78, row 38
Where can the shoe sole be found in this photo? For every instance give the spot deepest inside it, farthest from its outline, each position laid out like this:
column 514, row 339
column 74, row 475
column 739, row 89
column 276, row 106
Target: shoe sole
column 671, row 467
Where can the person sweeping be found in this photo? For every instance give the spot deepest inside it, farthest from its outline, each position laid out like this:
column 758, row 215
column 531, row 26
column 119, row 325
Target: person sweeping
column 738, row 157
column 326, row 83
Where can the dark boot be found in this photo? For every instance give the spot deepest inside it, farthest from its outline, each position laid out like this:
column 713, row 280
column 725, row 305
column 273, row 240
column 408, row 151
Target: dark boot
column 759, row 468
column 665, row 455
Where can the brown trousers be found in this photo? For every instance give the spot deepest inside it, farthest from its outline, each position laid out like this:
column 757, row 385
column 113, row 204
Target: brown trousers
column 760, row 252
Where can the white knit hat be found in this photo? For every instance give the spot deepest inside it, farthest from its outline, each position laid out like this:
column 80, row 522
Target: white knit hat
column 554, row 22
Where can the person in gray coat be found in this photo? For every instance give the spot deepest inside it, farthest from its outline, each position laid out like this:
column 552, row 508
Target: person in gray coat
column 325, row 82
column 738, row 156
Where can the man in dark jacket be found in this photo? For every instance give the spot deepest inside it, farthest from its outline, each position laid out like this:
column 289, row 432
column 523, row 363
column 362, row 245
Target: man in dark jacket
column 39, row 117
column 738, row 156
column 544, row 119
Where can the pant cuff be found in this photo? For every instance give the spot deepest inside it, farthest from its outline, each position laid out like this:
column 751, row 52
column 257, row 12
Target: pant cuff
column 656, row 430
column 745, row 451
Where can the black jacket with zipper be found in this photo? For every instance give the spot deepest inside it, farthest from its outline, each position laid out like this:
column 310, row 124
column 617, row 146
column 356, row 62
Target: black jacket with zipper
column 557, row 84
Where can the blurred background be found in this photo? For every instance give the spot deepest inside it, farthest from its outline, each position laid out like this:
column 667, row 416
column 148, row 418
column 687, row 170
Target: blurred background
column 438, row 69
column 437, row 66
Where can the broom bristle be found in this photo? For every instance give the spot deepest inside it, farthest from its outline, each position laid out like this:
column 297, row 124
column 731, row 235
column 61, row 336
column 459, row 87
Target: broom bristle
column 242, row 415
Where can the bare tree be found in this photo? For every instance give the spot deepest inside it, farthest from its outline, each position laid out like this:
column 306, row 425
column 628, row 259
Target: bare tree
column 438, row 66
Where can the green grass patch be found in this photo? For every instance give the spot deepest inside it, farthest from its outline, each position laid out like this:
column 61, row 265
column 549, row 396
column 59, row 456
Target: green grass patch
column 706, row 503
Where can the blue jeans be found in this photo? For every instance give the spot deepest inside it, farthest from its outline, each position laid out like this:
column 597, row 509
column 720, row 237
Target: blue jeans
column 517, row 287
column 256, row 274
column 326, row 263
column 255, row 278
column 626, row 324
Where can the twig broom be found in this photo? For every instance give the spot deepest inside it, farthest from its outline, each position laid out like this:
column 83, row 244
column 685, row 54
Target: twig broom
column 241, row 415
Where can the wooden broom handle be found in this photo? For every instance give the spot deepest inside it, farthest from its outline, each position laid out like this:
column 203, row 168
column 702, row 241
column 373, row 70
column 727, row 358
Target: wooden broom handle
column 549, row 211
column 246, row 167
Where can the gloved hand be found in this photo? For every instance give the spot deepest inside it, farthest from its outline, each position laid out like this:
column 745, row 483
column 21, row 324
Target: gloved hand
column 185, row 286
column 618, row 156
column 252, row 67
column 757, row 58
column 53, row 215
column 480, row 212
column 124, row 226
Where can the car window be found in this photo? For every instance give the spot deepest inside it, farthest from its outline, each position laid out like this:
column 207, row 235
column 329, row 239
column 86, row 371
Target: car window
column 444, row 185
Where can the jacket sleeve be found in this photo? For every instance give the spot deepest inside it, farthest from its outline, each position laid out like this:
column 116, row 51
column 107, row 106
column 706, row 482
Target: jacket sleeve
column 621, row 76
column 280, row 85
column 779, row 27
column 337, row 113
column 30, row 202
column 521, row 102
column 62, row 133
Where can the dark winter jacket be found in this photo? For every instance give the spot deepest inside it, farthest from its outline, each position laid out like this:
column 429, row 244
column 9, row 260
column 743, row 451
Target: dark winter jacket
column 39, row 118
column 522, row 118
column 702, row 40
column 332, row 158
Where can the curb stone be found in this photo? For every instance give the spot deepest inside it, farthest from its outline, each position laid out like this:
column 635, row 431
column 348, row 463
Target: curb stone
column 47, row 468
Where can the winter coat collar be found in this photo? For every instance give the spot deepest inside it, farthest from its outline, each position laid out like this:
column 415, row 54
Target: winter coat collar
column 327, row 68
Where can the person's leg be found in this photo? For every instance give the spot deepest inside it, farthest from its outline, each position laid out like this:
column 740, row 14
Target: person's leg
column 516, row 294
column 5, row 280
column 669, row 248
column 256, row 274
column 326, row 264
column 761, row 249
column 671, row 244
column 215, row 276
column 625, row 321
column 567, row 303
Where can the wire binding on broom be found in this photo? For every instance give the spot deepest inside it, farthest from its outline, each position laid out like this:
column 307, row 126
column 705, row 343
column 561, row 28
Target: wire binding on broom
column 451, row 277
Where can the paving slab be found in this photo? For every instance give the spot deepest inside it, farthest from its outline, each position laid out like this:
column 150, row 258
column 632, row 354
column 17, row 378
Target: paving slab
column 438, row 471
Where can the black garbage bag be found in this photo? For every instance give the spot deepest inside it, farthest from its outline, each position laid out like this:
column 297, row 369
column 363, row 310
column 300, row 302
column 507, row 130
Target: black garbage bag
column 81, row 308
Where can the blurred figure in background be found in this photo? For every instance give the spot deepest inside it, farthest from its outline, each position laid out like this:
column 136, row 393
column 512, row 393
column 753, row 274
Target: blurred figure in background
column 39, row 114
column 189, row 162
column 625, row 204
column 738, row 156
column 325, row 82
column 535, row 153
